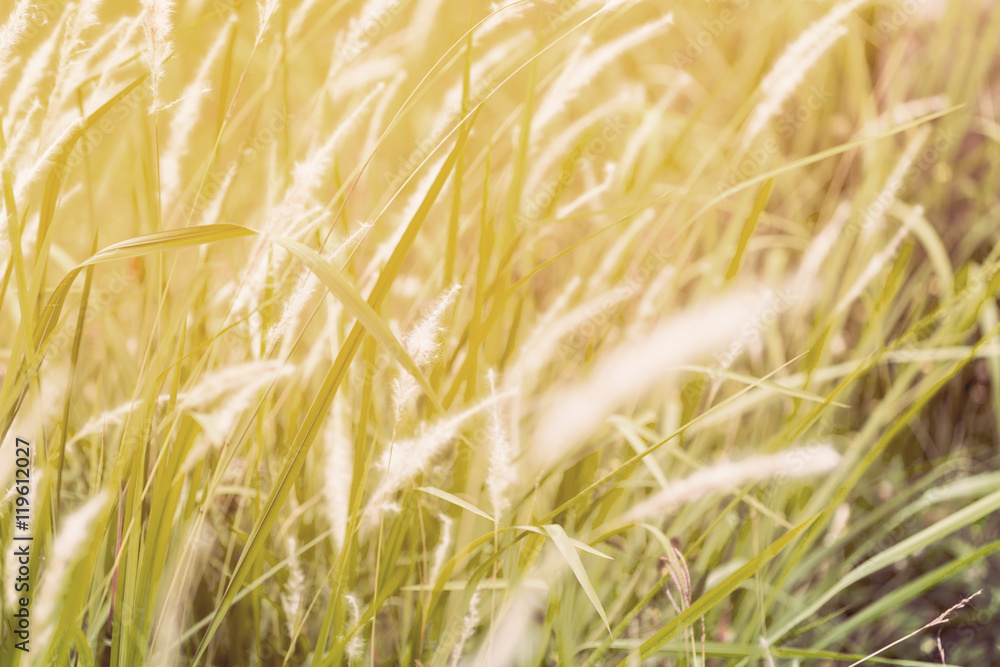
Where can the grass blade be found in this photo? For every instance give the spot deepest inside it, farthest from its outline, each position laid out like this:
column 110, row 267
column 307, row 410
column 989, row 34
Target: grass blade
column 568, row 551
column 713, row 597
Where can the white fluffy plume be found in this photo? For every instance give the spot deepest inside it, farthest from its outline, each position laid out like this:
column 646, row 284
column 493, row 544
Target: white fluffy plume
column 795, row 62
column 730, row 475
column 158, row 26
column 577, row 411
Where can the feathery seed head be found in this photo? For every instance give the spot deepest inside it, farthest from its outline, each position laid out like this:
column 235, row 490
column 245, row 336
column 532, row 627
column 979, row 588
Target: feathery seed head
column 158, row 27
column 502, row 474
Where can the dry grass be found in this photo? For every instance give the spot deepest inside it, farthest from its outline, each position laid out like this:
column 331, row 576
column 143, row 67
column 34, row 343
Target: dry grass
column 560, row 332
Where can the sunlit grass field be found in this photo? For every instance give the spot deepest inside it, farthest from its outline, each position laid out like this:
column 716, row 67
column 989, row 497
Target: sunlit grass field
column 547, row 332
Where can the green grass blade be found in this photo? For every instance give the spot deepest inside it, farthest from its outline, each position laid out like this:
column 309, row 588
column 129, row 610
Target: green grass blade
column 748, row 226
column 341, row 288
column 568, row 551
column 455, row 500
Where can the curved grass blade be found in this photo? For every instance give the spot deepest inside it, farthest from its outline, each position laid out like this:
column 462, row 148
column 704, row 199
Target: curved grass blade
column 455, row 500
column 582, row 546
column 140, row 246
column 364, row 313
column 568, row 551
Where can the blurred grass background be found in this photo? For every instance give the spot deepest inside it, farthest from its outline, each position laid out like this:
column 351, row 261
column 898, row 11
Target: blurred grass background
column 417, row 332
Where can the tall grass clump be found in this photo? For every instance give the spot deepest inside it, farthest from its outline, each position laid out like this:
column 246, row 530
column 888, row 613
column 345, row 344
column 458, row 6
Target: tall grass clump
column 422, row 333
